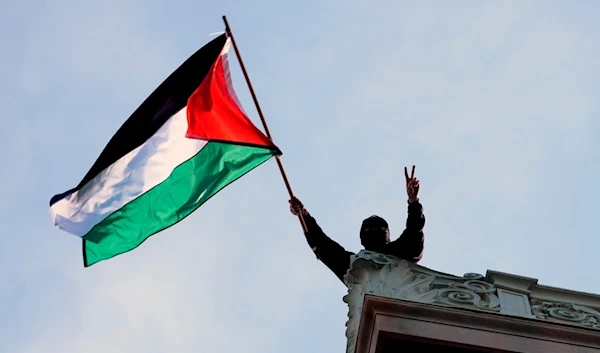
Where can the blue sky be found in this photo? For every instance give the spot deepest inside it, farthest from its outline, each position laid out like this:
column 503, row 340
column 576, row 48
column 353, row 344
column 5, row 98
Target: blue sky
column 495, row 102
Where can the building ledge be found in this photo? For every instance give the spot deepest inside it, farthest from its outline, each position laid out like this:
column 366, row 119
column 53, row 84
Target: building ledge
column 375, row 277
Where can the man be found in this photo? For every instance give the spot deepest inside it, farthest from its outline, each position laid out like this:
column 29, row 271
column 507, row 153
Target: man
column 374, row 234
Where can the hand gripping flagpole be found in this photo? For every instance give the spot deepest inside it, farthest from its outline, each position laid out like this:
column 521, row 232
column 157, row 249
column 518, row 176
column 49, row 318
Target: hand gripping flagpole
column 262, row 118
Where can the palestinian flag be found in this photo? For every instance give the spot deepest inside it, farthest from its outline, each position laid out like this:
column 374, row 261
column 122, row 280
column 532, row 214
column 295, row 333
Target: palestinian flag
column 184, row 144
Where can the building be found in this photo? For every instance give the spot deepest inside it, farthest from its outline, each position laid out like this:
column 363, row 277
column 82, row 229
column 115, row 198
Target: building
column 398, row 306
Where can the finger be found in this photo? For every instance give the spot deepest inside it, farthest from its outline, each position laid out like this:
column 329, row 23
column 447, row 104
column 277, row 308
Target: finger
column 406, row 173
column 412, row 174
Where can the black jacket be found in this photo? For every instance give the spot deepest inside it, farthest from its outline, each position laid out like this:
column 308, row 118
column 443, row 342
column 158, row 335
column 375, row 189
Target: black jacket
column 408, row 246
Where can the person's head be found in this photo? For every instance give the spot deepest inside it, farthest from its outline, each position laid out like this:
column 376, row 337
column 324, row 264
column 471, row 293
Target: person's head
column 374, row 233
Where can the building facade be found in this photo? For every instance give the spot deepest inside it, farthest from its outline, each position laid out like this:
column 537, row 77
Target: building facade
column 398, row 306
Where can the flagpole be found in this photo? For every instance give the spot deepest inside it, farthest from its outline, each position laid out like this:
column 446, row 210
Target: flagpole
column 262, row 118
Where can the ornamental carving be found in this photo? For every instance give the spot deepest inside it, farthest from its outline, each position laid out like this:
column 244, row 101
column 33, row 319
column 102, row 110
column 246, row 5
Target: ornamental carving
column 566, row 313
column 386, row 276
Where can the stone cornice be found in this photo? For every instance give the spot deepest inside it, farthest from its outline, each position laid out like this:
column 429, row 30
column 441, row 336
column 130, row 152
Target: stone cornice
column 497, row 292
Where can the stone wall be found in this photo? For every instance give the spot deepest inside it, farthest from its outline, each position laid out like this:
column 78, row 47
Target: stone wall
column 497, row 292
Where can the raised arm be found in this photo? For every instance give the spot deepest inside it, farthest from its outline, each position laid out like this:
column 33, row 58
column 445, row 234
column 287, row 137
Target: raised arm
column 332, row 254
column 410, row 244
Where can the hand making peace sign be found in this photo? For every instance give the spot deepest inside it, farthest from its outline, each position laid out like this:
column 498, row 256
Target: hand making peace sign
column 412, row 185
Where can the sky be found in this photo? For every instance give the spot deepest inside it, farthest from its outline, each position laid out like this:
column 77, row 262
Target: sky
column 494, row 102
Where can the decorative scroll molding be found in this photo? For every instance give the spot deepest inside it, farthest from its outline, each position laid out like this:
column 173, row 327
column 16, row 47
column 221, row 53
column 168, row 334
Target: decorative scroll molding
column 386, row 276
column 510, row 295
column 566, row 313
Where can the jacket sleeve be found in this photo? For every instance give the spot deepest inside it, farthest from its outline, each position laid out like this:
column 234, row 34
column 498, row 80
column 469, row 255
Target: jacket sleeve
column 332, row 254
column 410, row 244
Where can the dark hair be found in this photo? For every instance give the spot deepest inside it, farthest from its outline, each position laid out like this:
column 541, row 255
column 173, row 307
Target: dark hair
column 374, row 221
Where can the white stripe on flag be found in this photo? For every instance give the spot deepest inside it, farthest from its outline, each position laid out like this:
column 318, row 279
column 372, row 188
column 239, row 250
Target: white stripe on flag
column 131, row 176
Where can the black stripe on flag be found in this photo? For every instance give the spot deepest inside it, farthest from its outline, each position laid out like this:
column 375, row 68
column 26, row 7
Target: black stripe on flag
column 169, row 98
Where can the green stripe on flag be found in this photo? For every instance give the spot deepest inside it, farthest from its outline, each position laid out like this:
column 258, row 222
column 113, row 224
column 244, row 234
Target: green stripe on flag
column 190, row 185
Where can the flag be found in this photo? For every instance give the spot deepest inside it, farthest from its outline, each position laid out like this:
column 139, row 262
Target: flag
column 187, row 141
